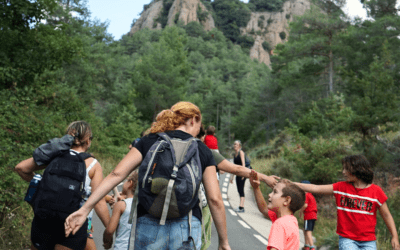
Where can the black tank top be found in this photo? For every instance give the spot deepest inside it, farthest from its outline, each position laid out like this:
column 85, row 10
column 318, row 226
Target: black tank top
column 237, row 160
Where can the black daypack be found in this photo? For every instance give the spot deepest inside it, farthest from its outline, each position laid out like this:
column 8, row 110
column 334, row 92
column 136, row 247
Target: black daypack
column 169, row 178
column 61, row 189
column 247, row 161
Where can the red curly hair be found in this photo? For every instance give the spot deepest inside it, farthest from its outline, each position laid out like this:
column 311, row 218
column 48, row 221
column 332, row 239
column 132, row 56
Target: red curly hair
column 170, row 119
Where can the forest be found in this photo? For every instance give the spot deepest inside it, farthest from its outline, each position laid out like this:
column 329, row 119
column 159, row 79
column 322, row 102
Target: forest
column 332, row 89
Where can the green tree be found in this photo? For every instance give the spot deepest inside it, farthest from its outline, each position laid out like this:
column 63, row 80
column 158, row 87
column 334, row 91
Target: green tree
column 160, row 76
column 32, row 46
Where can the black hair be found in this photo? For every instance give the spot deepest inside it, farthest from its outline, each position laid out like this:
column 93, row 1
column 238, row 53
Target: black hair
column 359, row 166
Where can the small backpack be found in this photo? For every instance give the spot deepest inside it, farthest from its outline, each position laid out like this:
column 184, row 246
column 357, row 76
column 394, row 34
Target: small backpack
column 61, row 189
column 169, row 180
column 247, row 161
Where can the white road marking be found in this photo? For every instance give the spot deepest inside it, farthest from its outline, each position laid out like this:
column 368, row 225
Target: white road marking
column 243, row 224
column 262, row 239
column 224, row 190
column 225, row 184
column 226, row 203
column 227, row 176
column 232, row 212
column 224, row 196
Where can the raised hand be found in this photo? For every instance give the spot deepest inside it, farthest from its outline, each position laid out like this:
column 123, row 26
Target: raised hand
column 271, row 180
column 255, row 183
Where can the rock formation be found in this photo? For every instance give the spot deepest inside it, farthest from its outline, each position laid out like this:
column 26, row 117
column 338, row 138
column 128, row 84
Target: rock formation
column 266, row 26
column 185, row 9
column 263, row 26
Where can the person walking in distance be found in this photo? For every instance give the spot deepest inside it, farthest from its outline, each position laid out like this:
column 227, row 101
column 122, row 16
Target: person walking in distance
column 239, row 159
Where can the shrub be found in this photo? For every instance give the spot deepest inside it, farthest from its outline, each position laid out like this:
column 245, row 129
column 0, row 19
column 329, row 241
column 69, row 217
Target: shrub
column 245, row 41
column 176, row 19
column 201, row 15
column 287, row 16
column 282, row 35
column 266, row 46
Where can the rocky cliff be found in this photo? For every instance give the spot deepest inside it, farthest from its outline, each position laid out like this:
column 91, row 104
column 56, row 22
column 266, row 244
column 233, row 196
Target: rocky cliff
column 183, row 10
column 270, row 28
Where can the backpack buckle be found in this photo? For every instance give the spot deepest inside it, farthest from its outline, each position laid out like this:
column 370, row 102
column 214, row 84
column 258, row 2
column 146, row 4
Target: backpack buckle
column 174, row 174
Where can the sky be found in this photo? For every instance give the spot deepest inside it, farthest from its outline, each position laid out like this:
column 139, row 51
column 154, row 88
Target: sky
column 120, row 13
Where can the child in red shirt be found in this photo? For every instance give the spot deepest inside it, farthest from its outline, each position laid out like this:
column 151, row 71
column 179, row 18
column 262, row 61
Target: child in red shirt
column 357, row 201
column 210, row 140
column 310, row 216
column 284, row 200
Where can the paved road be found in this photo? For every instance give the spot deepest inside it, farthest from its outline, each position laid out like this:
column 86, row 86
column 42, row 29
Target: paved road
column 247, row 230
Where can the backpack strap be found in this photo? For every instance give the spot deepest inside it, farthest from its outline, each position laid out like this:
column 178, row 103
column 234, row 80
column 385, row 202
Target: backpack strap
column 133, row 219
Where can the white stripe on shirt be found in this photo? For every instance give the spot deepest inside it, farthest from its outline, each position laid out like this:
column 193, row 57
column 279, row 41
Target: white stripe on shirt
column 357, row 196
column 354, row 211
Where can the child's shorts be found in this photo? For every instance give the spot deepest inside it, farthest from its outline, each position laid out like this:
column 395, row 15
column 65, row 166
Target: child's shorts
column 309, row 225
column 46, row 233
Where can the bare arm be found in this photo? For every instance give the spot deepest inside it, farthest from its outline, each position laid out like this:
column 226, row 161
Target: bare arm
column 121, row 171
column 101, row 207
column 119, row 208
column 261, row 204
column 26, row 169
column 388, row 219
column 216, row 204
column 316, row 189
column 242, row 158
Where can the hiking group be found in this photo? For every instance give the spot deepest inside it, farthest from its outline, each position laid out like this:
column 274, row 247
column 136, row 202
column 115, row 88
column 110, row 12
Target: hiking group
column 162, row 204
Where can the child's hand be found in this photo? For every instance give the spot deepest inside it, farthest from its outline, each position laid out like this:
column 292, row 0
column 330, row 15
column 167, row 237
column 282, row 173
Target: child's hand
column 255, row 183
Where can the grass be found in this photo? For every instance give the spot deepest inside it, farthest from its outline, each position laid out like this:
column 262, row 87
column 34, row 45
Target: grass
column 16, row 228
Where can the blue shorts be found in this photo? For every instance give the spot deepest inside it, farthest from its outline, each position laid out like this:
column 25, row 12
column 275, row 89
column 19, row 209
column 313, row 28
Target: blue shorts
column 309, row 225
column 348, row 244
column 150, row 235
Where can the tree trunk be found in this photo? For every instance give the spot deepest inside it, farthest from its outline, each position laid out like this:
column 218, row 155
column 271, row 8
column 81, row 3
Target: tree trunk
column 330, row 72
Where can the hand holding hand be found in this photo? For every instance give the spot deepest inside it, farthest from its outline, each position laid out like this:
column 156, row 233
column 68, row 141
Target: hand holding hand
column 271, row 180
column 107, row 240
column 255, row 183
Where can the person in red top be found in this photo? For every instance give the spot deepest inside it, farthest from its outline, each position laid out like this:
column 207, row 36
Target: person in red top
column 285, row 199
column 210, row 140
column 310, row 216
column 357, row 202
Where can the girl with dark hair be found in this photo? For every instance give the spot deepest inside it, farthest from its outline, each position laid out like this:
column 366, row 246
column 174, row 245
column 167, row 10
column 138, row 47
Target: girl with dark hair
column 357, row 202
column 80, row 137
column 239, row 159
column 182, row 121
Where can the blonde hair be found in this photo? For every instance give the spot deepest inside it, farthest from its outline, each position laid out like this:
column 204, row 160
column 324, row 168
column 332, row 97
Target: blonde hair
column 81, row 131
column 170, row 119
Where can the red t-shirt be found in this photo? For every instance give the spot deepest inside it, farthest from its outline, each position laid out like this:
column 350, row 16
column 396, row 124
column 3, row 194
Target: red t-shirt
column 310, row 213
column 211, row 142
column 284, row 234
column 356, row 210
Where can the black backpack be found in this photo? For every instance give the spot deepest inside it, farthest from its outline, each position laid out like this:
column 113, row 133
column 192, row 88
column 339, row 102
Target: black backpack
column 62, row 187
column 247, row 161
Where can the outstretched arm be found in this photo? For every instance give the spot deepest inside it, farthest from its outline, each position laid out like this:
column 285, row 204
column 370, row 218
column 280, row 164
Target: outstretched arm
column 316, row 189
column 121, row 171
column 388, row 219
column 255, row 183
column 216, row 204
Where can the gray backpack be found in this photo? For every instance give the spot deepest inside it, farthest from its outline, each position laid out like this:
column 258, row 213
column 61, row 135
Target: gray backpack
column 169, row 181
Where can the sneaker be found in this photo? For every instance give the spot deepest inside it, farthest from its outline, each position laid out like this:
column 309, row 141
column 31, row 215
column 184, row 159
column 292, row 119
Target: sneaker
column 306, row 248
column 238, row 210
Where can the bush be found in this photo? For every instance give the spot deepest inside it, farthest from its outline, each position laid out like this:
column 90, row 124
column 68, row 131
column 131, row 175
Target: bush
column 201, row 15
column 282, row 35
column 194, row 29
column 319, row 159
column 265, row 5
column 266, row 46
column 287, row 16
column 245, row 41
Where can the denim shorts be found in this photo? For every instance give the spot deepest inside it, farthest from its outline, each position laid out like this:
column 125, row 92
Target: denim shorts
column 348, row 244
column 150, row 235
